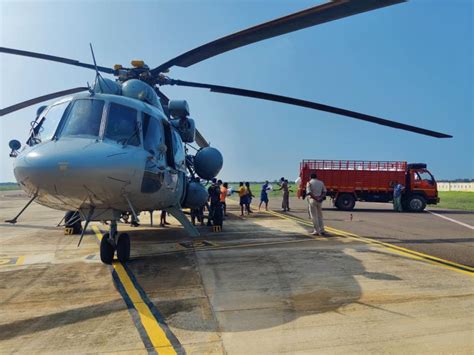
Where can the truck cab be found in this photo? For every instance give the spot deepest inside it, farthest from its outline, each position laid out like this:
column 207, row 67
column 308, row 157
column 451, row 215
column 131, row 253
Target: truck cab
column 421, row 188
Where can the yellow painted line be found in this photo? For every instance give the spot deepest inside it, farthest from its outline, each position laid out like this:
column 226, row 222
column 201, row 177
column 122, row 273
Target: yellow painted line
column 155, row 333
column 20, row 260
column 451, row 265
column 5, row 261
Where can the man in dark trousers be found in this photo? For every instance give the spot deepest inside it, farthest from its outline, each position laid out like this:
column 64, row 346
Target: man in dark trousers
column 215, row 208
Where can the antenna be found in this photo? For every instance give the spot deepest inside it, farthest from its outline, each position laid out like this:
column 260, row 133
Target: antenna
column 98, row 77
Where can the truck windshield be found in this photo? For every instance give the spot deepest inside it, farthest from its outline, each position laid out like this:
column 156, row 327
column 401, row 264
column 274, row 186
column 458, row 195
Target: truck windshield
column 424, row 176
column 83, row 119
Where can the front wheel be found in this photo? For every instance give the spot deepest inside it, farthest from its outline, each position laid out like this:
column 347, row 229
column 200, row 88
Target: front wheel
column 416, row 203
column 345, row 202
column 106, row 250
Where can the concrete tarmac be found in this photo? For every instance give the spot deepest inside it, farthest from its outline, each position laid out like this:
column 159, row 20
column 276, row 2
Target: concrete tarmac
column 423, row 232
column 261, row 286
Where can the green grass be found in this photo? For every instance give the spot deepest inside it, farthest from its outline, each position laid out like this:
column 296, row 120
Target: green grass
column 256, row 188
column 9, row 186
column 449, row 199
column 456, row 200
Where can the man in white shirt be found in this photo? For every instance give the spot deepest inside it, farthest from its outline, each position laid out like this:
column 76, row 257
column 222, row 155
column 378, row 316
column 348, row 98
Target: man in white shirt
column 316, row 192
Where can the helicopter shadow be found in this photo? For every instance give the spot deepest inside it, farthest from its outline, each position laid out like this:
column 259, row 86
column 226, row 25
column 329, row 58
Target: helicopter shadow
column 249, row 281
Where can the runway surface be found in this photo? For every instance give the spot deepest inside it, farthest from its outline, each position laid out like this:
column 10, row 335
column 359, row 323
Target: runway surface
column 423, row 232
column 261, row 286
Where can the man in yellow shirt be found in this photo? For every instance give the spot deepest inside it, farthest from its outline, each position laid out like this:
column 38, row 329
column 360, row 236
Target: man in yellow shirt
column 243, row 194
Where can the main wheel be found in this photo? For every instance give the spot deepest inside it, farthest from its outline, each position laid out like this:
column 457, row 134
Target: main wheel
column 106, row 250
column 345, row 202
column 123, row 248
column 416, row 203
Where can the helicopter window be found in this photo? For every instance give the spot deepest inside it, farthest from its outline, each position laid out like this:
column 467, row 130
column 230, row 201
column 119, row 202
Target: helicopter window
column 49, row 122
column 179, row 156
column 83, row 119
column 122, row 125
column 152, row 134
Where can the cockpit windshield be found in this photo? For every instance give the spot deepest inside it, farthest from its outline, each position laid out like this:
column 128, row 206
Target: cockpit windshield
column 83, row 119
column 122, row 125
column 47, row 123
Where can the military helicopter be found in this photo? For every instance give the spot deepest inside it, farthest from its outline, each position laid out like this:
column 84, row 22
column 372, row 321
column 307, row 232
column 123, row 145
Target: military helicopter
column 121, row 146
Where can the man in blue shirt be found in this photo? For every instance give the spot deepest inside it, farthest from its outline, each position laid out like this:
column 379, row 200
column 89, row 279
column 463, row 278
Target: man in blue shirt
column 397, row 197
column 264, row 196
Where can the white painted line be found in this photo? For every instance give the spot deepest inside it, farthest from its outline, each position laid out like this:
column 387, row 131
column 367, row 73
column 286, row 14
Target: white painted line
column 452, row 220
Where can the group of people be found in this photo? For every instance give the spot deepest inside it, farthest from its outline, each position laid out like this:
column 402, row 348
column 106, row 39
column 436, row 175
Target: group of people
column 216, row 205
column 315, row 193
column 245, row 197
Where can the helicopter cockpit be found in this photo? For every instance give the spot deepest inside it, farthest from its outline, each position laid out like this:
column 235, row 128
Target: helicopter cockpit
column 106, row 120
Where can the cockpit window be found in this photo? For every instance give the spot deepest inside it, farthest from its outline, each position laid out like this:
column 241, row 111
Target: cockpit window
column 83, row 119
column 122, row 125
column 48, row 124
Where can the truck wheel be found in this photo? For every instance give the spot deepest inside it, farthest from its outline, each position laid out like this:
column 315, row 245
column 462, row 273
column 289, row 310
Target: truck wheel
column 416, row 203
column 345, row 202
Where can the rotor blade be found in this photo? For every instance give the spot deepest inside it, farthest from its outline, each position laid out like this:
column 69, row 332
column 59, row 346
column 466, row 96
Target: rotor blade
column 310, row 17
column 309, row 104
column 39, row 99
column 55, row 59
column 200, row 140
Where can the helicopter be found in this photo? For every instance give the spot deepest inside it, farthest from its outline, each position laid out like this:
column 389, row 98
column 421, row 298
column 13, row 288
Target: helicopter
column 122, row 146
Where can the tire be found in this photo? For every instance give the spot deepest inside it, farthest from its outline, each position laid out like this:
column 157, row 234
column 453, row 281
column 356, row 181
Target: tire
column 416, row 203
column 123, row 248
column 345, row 202
column 106, row 250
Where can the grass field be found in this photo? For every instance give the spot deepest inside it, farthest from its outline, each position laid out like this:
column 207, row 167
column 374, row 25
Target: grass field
column 456, row 200
column 449, row 199
column 9, row 186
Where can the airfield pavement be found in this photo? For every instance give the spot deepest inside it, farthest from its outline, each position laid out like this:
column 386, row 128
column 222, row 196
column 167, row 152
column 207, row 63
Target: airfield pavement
column 381, row 283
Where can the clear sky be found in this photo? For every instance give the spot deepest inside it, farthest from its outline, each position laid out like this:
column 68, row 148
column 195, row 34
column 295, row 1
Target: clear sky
column 411, row 63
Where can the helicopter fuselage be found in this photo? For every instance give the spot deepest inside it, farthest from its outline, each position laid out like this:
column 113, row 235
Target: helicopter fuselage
column 107, row 151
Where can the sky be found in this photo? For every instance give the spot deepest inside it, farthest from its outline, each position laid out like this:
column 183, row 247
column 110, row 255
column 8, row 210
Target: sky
column 411, row 62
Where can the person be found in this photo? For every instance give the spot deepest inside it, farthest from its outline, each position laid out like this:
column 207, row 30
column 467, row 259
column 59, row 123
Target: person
column 163, row 222
column 197, row 213
column 249, row 198
column 316, row 192
column 243, row 197
column 224, row 191
column 214, row 192
column 264, row 195
column 285, row 203
column 397, row 196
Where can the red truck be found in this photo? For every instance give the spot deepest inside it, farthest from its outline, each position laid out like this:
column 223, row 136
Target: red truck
column 348, row 181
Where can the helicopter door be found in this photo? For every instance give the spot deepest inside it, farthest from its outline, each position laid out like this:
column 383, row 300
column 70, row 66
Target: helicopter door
column 171, row 174
column 169, row 145
column 153, row 142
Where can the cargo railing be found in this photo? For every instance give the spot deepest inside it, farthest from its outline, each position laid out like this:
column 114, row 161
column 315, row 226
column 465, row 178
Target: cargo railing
column 358, row 165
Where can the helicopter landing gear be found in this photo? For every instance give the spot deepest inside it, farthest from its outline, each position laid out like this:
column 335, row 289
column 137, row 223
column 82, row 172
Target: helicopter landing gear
column 112, row 242
column 107, row 249
column 123, row 247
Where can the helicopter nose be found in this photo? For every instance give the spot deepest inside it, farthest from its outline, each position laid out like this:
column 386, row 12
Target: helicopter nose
column 35, row 169
column 73, row 170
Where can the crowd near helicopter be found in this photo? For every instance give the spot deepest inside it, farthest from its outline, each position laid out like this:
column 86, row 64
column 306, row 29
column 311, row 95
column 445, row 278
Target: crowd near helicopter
column 122, row 146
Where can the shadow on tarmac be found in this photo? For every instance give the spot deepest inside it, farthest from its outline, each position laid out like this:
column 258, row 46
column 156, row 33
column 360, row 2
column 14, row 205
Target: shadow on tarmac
column 240, row 288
